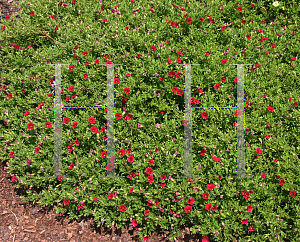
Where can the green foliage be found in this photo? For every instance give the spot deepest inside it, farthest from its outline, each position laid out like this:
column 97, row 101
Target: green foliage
column 269, row 80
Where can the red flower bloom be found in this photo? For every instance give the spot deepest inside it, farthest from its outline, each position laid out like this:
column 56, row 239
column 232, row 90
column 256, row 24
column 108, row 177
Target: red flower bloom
column 92, row 120
column 205, row 239
column 14, row 178
column 122, row 208
column 205, row 195
column 210, row 186
column 126, row 90
column 204, row 115
column 66, row 120
column 208, row 206
column 244, row 221
column 66, row 201
column 223, row 61
column 203, row 152
column 191, row 201
column 188, row 209
column 134, row 223
column 30, row 126
column 153, row 48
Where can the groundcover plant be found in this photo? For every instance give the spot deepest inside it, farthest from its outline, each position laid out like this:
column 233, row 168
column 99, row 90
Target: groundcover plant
column 149, row 45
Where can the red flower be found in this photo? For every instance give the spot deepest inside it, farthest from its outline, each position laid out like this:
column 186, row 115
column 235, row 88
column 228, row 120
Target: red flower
column 163, row 177
column 74, row 125
column 223, row 27
column 92, row 120
column 208, row 206
column 71, row 166
column 131, row 159
column 149, row 170
column 180, row 92
column 249, row 208
column 94, row 129
column 205, row 239
column 251, row 228
column 244, row 221
column 66, row 120
column 292, row 193
column 153, row 48
column 134, row 223
column 216, row 86
column 240, row 9
column 204, row 115
column 210, row 186
column 66, row 201
column 30, row 126
column 37, row 150
column 110, row 166
column 31, row 13
column 282, row 182
column 237, row 113
column 189, row 20
column 172, row 73
column 126, row 90
column 122, row 208
column 205, row 195
column 85, row 76
column 270, row 108
column 48, row 124
column 96, row 199
column 116, row 80
column 150, row 179
column 118, row 116
column 188, row 209
column 223, row 61
column 191, row 201
column 214, row 208
column 14, row 178
column 258, row 150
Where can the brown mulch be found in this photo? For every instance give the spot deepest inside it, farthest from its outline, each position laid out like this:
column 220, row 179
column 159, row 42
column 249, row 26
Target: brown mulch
column 6, row 7
column 25, row 221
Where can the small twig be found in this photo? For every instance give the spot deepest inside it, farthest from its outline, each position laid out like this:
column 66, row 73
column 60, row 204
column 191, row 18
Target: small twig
column 16, row 218
column 14, row 238
column 48, row 36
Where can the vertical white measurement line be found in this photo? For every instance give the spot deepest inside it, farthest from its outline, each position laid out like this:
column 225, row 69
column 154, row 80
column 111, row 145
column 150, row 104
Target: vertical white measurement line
column 57, row 123
column 240, row 123
column 240, row 109
column 110, row 120
column 188, row 162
